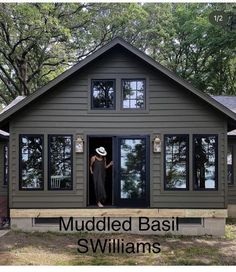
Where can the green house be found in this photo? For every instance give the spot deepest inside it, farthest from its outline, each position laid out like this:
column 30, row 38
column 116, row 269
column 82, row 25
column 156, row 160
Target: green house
column 167, row 140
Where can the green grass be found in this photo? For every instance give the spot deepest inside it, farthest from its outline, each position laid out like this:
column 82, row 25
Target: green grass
column 20, row 248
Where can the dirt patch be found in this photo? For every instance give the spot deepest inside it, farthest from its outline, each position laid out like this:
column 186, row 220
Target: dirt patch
column 19, row 248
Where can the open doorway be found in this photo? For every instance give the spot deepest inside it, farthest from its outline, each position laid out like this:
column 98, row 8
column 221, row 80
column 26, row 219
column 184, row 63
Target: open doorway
column 93, row 143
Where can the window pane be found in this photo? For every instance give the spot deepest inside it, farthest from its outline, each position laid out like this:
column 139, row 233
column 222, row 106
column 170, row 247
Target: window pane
column 133, row 93
column 176, row 160
column 230, row 164
column 103, row 94
column 132, row 168
column 140, row 85
column 125, row 104
column 6, row 169
column 205, row 171
column 140, row 95
column 60, row 162
column 31, row 162
column 133, row 104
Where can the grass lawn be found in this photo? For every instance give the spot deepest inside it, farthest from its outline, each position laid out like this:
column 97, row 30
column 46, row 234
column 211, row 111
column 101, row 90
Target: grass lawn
column 20, row 248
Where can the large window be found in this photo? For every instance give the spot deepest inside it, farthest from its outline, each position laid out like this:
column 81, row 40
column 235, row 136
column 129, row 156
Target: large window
column 230, row 175
column 31, row 162
column 205, row 162
column 6, row 167
column 103, row 94
column 133, row 94
column 60, row 162
column 176, row 162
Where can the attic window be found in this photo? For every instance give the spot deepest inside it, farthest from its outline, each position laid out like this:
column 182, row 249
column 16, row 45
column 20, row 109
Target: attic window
column 103, row 94
column 133, row 92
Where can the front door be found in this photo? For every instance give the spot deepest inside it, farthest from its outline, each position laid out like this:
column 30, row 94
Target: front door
column 127, row 182
column 132, row 184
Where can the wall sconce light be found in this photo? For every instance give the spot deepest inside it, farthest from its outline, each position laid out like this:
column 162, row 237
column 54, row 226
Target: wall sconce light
column 79, row 144
column 157, row 144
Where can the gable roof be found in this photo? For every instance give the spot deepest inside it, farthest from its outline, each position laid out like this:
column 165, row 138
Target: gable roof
column 4, row 117
column 227, row 101
column 13, row 103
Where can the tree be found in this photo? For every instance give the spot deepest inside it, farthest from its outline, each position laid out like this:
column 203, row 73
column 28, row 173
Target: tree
column 195, row 49
column 40, row 41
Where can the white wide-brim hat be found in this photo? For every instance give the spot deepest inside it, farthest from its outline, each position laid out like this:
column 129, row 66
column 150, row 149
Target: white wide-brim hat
column 101, row 151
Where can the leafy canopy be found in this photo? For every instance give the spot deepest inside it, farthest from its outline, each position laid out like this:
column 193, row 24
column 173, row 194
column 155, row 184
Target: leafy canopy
column 40, row 41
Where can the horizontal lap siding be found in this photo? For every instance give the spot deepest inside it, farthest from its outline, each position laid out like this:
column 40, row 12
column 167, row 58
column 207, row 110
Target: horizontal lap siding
column 171, row 109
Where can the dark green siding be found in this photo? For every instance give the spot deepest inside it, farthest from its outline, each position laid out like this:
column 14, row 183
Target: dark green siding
column 66, row 109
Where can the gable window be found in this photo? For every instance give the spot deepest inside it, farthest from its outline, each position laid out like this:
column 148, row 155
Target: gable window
column 60, row 162
column 205, row 162
column 6, row 169
column 103, row 94
column 31, row 162
column 176, row 162
column 133, row 94
column 230, row 159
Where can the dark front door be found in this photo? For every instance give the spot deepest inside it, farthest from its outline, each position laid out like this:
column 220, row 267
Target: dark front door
column 127, row 182
column 132, row 185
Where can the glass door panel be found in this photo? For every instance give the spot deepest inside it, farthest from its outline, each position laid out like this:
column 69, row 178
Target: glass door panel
column 132, row 182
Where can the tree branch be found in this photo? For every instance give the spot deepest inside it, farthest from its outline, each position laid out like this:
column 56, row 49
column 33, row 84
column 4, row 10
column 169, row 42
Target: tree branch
column 10, row 79
column 12, row 94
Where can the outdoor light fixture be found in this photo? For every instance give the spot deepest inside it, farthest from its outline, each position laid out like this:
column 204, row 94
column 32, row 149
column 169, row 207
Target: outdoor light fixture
column 157, row 144
column 79, row 144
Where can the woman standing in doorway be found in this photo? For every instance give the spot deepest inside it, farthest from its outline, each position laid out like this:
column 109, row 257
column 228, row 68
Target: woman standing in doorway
column 98, row 168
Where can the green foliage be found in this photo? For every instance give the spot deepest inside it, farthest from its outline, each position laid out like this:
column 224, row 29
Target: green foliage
column 39, row 41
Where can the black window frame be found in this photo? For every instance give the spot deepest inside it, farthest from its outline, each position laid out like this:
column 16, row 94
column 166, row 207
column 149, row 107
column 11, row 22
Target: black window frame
column 216, row 162
column 48, row 164
column 20, row 165
column 5, row 164
column 144, row 95
column 232, row 182
column 143, row 202
column 187, row 162
column 91, row 94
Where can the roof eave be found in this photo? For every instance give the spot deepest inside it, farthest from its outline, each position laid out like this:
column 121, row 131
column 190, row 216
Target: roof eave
column 117, row 41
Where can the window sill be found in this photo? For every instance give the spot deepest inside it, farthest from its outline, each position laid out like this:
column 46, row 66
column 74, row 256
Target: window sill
column 190, row 192
column 117, row 112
